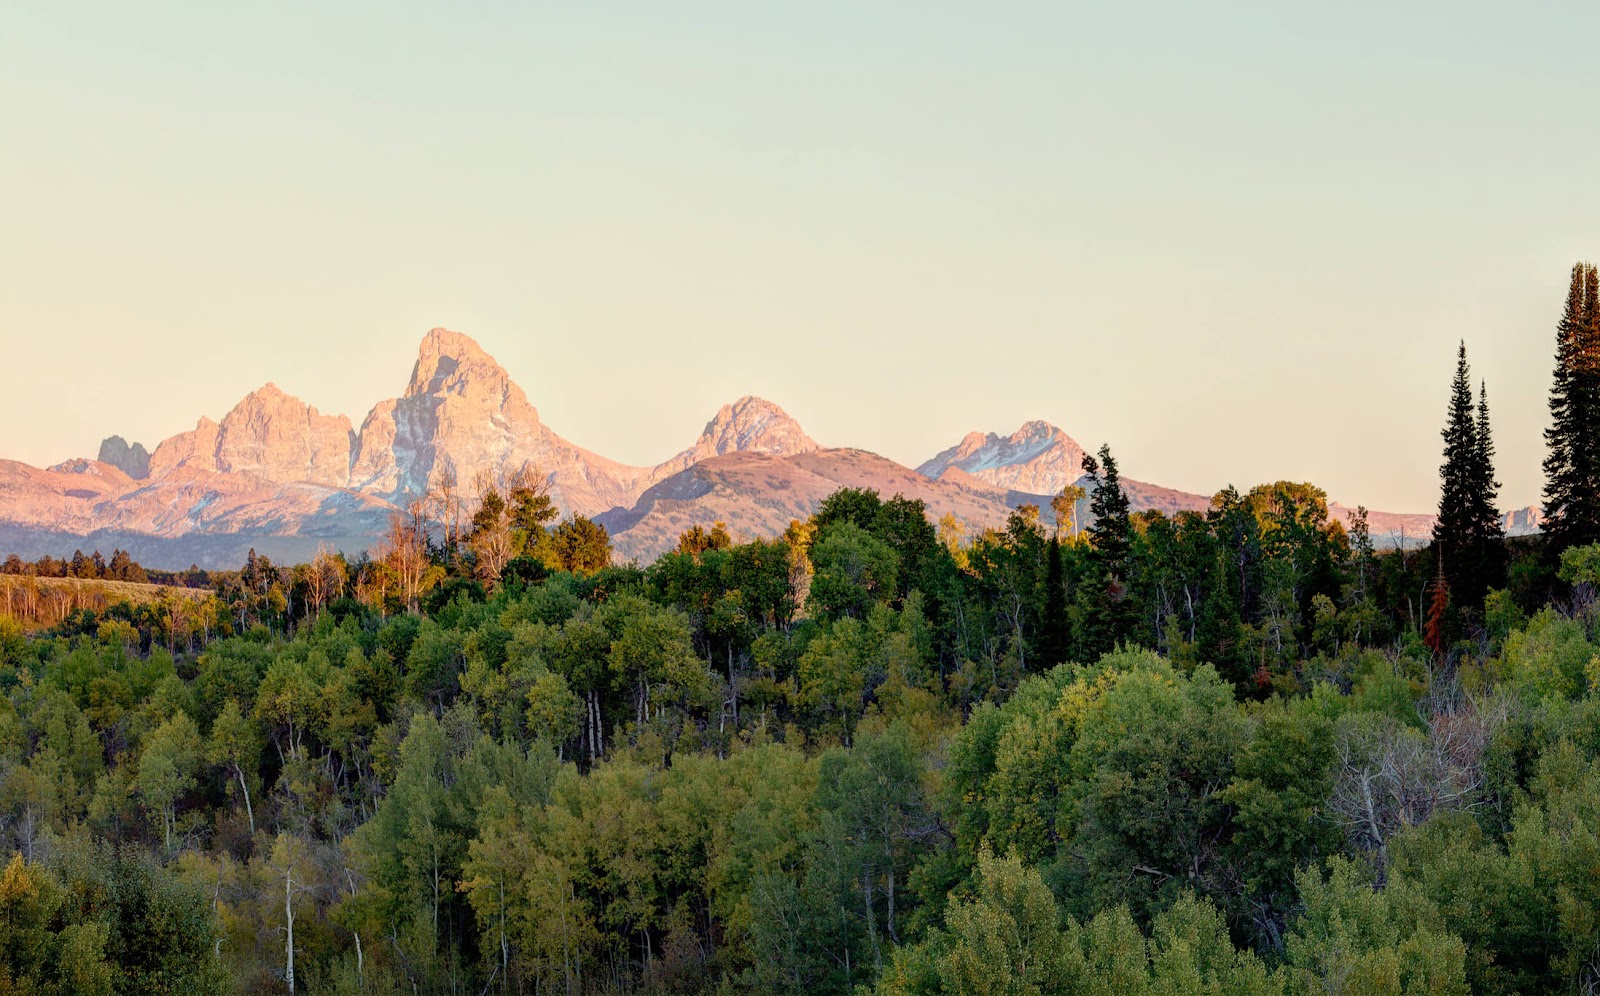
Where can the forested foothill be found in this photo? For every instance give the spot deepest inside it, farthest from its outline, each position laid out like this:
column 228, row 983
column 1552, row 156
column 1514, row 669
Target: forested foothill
column 1238, row 751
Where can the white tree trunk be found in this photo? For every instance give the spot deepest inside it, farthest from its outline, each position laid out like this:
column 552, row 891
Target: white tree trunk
column 288, row 914
column 248, row 809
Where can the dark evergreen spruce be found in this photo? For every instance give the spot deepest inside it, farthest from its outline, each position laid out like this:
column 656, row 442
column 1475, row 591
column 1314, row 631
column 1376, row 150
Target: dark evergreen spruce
column 1057, row 635
column 1110, row 534
column 1454, row 527
column 1468, row 533
column 1572, row 466
column 1111, row 613
column 1490, row 527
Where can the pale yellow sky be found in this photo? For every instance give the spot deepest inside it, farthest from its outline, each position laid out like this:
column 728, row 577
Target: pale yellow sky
column 1238, row 243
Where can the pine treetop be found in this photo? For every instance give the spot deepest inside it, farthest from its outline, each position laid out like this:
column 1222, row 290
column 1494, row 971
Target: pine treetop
column 1572, row 466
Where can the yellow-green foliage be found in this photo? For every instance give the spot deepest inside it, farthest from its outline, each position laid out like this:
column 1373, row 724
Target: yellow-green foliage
column 1548, row 657
column 37, row 603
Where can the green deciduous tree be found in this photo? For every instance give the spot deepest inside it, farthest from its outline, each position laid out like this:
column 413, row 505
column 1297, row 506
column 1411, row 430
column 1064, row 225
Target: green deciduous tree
column 853, row 569
column 579, row 545
column 1354, row 938
column 167, row 767
column 235, row 747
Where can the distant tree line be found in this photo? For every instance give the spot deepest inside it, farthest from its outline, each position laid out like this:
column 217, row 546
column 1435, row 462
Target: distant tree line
column 93, row 567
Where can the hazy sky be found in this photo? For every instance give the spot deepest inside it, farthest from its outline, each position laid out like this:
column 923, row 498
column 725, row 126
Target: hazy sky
column 1238, row 241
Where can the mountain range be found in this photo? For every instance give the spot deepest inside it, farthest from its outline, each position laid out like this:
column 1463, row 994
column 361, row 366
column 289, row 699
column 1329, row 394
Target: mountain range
column 277, row 475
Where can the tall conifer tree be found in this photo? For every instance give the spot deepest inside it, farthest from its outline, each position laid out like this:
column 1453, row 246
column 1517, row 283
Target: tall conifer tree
column 1487, row 521
column 1457, row 474
column 1111, row 613
column 1110, row 536
column 1572, row 466
column 1056, row 642
column 1468, row 533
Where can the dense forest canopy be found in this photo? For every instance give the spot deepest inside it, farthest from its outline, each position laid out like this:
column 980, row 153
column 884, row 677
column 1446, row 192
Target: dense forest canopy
column 1238, row 751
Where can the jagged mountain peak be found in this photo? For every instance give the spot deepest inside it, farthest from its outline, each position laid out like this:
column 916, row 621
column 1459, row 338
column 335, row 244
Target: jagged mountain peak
column 447, row 361
column 1035, row 429
column 443, row 342
column 755, row 425
column 1034, row 432
column 460, row 411
column 972, row 442
column 269, row 410
column 270, row 434
column 1037, row 458
column 449, row 341
column 461, row 415
column 269, row 397
column 749, row 425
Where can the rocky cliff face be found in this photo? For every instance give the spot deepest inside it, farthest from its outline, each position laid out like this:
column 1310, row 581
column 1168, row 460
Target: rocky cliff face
column 459, row 413
column 1038, row 459
column 1523, row 521
column 196, row 449
column 462, row 415
column 269, row 435
column 280, row 438
column 131, row 460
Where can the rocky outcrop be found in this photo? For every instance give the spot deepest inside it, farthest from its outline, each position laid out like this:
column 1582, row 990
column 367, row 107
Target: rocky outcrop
column 1038, row 459
column 131, row 460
